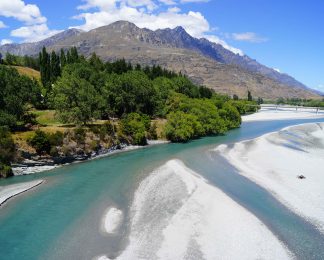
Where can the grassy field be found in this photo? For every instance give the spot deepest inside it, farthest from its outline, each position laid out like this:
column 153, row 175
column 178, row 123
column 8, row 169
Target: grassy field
column 28, row 72
column 46, row 117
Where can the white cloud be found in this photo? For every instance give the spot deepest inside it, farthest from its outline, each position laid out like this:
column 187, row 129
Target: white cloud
column 107, row 12
column 27, row 13
column 278, row 70
column 5, row 41
column 174, row 9
column 33, row 33
column 194, row 1
column 248, row 37
column 168, row 2
column 34, row 26
column 2, row 25
column 217, row 40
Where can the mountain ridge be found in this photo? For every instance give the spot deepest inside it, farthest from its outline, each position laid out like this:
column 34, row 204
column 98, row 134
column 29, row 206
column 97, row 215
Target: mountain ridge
column 177, row 50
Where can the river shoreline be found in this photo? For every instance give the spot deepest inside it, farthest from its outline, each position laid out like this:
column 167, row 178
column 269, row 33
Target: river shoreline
column 13, row 190
column 294, row 151
column 36, row 166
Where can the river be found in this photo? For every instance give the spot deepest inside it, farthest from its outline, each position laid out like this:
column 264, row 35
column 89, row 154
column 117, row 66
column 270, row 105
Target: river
column 61, row 218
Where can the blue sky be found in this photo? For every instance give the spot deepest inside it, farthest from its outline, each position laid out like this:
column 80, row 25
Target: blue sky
column 286, row 35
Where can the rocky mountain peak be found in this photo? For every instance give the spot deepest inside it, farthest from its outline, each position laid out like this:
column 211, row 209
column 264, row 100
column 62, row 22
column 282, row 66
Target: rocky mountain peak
column 119, row 26
column 176, row 49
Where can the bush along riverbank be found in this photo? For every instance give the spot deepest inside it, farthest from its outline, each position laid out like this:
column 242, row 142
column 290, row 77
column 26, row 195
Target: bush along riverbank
column 67, row 115
column 43, row 150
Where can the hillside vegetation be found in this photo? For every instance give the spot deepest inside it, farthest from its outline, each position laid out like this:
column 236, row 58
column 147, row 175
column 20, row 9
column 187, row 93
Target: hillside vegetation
column 81, row 106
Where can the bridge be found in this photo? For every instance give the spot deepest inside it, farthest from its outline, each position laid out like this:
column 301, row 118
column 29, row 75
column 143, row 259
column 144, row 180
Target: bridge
column 278, row 107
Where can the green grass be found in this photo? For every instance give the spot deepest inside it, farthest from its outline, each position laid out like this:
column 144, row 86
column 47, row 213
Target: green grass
column 46, row 117
column 28, row 72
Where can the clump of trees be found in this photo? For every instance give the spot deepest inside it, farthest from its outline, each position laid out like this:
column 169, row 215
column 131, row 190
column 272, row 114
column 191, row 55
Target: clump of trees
column 191, row 118
column 44, row 143
column 299, row 102
column 16, row 92
column 24, row 61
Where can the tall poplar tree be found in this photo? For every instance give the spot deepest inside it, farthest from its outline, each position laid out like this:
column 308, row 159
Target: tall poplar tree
column 62, row 58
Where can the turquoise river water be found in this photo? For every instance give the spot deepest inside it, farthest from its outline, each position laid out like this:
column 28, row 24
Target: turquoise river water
column 60, row 219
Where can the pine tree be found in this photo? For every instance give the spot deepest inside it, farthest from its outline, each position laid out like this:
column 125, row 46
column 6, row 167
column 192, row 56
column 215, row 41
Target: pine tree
column 250, row 98
column 74, row 55
column 62, row 58
column 45, row 68
column 68, row 57
column 55, row 67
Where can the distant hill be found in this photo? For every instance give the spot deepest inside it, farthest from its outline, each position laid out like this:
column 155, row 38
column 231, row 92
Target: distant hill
column 203, row 61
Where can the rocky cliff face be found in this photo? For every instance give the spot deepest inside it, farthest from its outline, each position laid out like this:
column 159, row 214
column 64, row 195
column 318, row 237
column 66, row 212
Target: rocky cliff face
column 203, row 61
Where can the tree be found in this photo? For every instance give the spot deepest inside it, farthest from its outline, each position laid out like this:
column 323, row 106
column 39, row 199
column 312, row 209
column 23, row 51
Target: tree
column 16, row 92
column 129, row 92
column 133, row 126
column 55, row 67
column 62, row 58
column 182, row 127
column 250, row 98
column 74, row 56
column 7, row 152
column 7, row 146
column 11, row 59
column 231, row 115
column 45, row 69
column 204, row 109
column 96, row 62
column 205, row 92
column 235, row 97
column 75, row 99
column 40, row 142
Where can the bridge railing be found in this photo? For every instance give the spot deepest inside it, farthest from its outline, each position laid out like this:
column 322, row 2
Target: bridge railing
column 290, row 108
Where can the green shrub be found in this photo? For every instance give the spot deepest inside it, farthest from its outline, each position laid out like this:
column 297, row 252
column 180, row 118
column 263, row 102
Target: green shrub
column 56, row 139
column 29, row 119
column 40, row 141
column 7, row 119
column 7, row 146
column 5, row 171
column 182, row 127
column 133, row 126
column 231, row 115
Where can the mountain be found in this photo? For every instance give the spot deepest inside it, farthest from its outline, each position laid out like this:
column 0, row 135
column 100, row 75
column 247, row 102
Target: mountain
column 35, row 47
column 204, row 62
